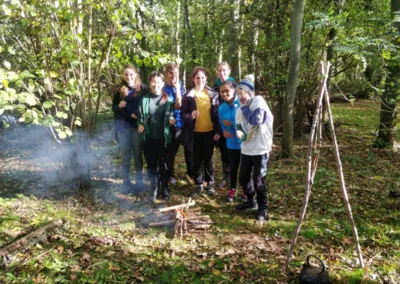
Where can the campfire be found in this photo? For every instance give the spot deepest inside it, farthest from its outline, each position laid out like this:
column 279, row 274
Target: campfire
column 181, row 217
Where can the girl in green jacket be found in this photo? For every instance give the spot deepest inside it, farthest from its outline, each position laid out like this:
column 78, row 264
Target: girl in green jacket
column 156, row 115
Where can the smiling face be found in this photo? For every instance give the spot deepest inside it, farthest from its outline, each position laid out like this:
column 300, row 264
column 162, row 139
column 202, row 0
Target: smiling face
column 173, row 76
column 223, row 72
column 130, row 76
column 156, row 85
column 243, row 96
column 227, row 93
column 200, row 80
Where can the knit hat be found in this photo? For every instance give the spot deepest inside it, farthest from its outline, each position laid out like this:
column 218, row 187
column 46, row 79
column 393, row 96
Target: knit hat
column 247, row 84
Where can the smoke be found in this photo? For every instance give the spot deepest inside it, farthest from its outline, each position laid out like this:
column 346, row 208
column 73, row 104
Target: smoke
column 32, row 157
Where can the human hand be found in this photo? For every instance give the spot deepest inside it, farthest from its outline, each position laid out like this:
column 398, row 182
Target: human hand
column 141, row 128
column 239, row 134
column 227, row 134
column 216, row 137
column 122, row 104
column 134, row 116
column 227, row 123
column 195, row 114
column 172, row 121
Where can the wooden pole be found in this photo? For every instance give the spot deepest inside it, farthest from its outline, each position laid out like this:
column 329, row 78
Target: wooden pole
column 342, row 182
column 310, row 164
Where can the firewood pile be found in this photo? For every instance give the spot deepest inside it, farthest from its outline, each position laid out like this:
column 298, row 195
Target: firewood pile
column 183, row 219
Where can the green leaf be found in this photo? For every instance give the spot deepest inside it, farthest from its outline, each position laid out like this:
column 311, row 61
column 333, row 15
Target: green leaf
column 60, row 114
column 62, row 135
column 11, row 50
column 138, row 36
column 30, row 99
column 47, row 104
column 7, row 64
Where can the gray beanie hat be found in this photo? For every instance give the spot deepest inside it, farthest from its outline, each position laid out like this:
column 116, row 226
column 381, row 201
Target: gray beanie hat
column 247, row 84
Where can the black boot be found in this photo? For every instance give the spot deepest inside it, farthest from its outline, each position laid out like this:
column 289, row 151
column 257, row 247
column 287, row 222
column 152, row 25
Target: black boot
column 165, row 193
column 261, row 215
column 154, row 188
column 251, row 204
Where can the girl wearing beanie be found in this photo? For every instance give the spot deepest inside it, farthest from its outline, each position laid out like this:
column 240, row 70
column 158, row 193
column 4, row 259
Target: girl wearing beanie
column 254, row 122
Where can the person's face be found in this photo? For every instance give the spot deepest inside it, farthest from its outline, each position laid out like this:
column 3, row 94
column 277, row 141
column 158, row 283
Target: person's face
column 223, row 72
column 200, row 80
column 173, row 76
column 243, row 96
column 227, row 93
column 156, row 85
column 130, row 76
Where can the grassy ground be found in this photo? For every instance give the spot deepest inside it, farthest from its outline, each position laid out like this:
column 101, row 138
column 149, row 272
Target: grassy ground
column 103, row 239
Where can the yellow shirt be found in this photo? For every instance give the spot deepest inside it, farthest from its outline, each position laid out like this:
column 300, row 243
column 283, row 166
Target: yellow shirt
column 203, row 123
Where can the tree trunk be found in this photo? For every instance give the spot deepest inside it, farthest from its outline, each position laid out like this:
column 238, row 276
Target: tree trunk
column 234, row 50
column 253, row 50
column 294, row 65
column 189, row 27
column 177, row 30
column 388, row 115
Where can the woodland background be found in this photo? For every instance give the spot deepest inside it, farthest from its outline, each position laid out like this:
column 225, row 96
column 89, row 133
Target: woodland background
column 60, row 61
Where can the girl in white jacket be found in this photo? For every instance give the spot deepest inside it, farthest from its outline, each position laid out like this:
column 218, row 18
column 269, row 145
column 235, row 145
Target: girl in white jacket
column 254, row 122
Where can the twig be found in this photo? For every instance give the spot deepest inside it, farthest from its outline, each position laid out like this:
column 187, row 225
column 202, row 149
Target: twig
column 29, row 239
column 185, row 205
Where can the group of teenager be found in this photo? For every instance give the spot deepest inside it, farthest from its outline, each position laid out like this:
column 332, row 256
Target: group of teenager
column 155, row 121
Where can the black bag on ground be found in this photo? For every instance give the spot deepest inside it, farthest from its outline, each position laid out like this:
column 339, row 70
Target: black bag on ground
column 313, row 274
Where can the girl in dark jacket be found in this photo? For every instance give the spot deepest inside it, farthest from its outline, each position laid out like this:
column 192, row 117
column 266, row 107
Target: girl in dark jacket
column 201, row 129
column 156, row 115
column 126, row 107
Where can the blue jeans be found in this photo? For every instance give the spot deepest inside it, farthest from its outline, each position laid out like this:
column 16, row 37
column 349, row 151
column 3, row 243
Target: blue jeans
column 131, row 144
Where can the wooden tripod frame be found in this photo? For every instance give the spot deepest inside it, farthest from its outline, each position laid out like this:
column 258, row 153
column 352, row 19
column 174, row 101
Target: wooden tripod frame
column 315, row 143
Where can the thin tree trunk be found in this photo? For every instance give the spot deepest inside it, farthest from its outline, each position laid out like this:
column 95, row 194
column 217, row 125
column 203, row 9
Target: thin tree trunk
column 294, row 65
column 177, row 31
column 234, row 50
column 388, row 115
column 189, row 27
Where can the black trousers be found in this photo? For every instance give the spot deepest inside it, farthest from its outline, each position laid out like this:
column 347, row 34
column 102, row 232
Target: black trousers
column 224, row 156
column 155, row 153
column 203, row 150
column 234, row 158
column 251, row 178
column 173, row 148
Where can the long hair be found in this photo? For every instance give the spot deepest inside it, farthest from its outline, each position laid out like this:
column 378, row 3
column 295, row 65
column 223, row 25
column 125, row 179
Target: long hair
column 158, row 74
column 138, row 81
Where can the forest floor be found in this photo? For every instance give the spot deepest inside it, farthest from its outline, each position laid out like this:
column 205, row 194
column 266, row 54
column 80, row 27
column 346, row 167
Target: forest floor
column 103, row 239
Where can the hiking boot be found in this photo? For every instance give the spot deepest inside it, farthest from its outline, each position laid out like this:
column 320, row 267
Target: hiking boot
column 231, row 195
column 172, row 180
column 261, row 215
column 251, row 204
column 244, row 197
column 197, row 190
column 210, row 189
column 223, row 183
